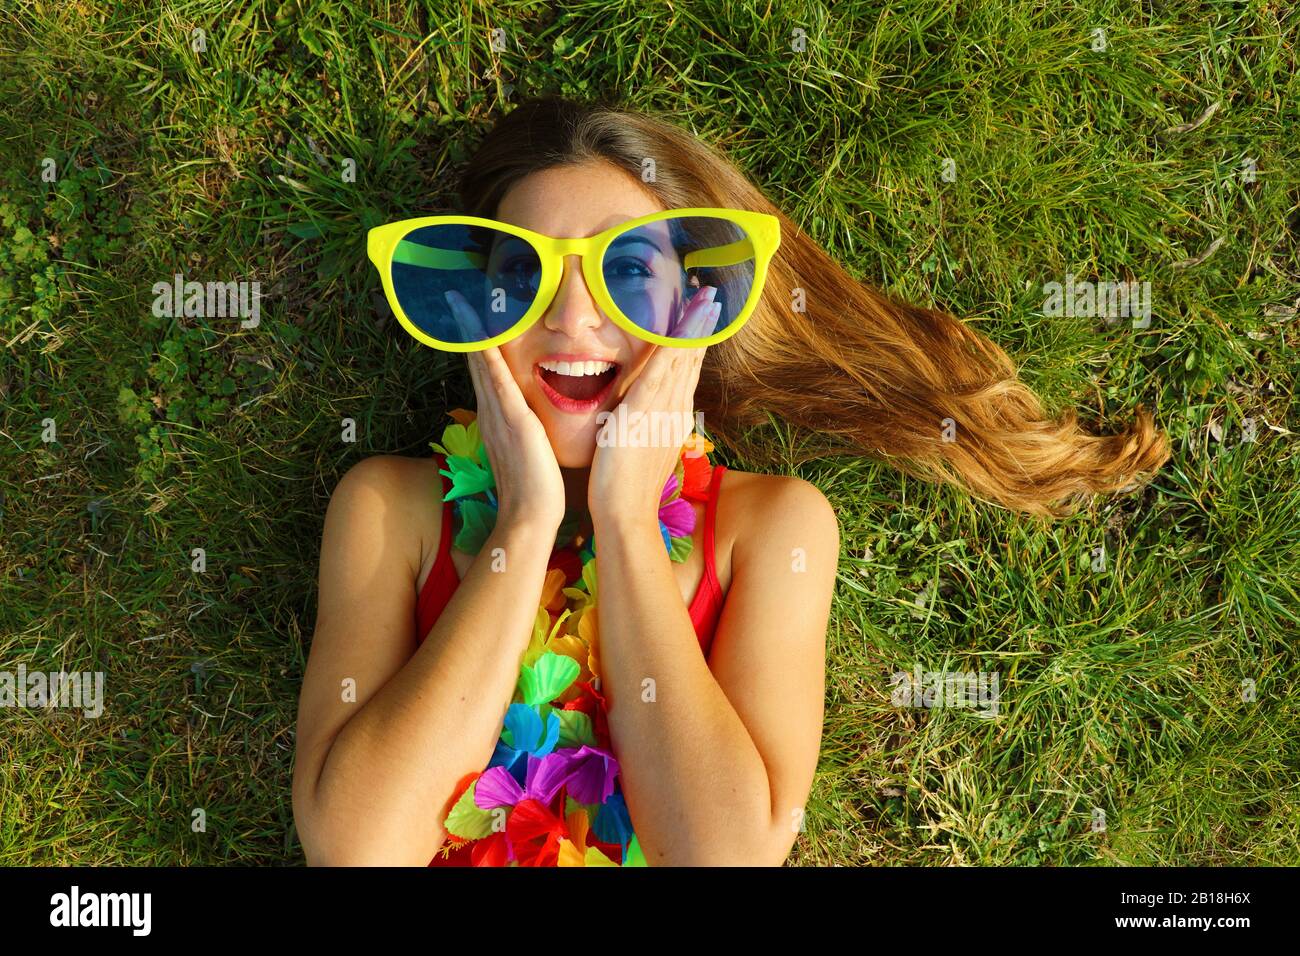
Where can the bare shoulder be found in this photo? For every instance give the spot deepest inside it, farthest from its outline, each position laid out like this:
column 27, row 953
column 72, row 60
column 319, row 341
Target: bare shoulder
column 392, row 493
column 763, row 508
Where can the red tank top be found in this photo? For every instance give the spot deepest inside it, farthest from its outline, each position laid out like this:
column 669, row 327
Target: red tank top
column 443, row 579
column 705, row 607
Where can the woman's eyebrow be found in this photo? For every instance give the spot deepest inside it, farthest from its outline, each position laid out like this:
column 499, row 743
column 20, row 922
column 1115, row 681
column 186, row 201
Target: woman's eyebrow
column 632, row 237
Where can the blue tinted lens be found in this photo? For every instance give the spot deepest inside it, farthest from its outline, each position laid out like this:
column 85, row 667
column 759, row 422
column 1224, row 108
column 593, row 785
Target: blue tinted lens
column 496, row 274
column 657, row 274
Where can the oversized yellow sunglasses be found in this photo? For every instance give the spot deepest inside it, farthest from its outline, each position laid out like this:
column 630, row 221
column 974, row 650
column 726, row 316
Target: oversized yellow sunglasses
column 463, row 283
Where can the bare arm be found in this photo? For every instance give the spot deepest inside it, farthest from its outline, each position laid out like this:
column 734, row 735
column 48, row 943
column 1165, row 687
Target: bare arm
column 717, row 766
column 373, row 776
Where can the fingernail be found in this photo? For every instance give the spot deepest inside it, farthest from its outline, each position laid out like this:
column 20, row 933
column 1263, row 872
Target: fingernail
column 447, row 295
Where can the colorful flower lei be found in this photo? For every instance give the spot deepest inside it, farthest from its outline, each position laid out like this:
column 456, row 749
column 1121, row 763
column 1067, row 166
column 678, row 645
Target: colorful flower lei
column 551, row 794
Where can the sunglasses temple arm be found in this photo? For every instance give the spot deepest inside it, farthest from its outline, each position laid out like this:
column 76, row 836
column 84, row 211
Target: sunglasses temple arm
column 428, row 257
column 734, row 253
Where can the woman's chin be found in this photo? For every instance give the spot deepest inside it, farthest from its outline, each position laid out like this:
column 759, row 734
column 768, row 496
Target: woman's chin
column 572, row 436
column 574, row 454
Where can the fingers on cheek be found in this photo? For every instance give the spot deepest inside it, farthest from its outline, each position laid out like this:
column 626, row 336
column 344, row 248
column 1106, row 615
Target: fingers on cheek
column 494, row 372
column 504, row 375
column 481, row 380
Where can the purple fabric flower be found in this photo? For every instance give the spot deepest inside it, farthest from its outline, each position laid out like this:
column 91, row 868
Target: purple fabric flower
column 497, row 787
column 588, row 771
column 593, row 773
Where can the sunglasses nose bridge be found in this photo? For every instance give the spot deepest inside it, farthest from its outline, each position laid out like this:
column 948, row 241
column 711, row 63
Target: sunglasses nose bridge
column 562, row 249
column 571, row 284
column 570, row 247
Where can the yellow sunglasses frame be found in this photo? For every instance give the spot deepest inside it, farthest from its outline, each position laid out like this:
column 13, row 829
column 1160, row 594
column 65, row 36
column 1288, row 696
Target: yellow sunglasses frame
column 763, row 237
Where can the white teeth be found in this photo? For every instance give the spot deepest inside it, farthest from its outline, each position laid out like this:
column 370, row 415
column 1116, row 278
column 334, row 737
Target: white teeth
column 577, row 369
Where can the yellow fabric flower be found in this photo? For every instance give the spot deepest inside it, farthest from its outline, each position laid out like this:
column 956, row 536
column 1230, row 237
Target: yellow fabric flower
column 543, row 636
column 553, row 591
column 589, row 631
column 575, row 852
column 571, row 646
column 697, row 445
column 584, row 620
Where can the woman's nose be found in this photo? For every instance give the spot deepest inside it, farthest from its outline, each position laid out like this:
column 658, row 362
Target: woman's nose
column 573, row 309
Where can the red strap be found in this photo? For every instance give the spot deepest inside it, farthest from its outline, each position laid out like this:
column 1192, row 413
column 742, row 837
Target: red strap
column 442, row 580
column 710, row 510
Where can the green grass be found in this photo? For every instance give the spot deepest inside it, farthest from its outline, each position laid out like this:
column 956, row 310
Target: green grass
column 1121, row 689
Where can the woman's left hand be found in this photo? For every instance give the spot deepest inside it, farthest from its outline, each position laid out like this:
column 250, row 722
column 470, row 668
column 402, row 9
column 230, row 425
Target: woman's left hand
column 632, row 463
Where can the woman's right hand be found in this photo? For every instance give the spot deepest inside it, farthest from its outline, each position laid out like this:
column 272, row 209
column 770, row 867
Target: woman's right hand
column 529, row 486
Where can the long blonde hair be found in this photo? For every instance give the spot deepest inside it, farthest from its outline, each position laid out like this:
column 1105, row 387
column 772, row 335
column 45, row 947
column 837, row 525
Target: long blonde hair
column 857, row 372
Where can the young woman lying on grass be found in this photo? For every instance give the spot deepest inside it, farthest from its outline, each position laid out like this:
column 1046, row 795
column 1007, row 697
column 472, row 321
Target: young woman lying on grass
column 481, row 712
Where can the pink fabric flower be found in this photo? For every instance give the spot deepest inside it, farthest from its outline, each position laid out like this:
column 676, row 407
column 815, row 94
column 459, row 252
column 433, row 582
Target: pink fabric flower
column 676, row 516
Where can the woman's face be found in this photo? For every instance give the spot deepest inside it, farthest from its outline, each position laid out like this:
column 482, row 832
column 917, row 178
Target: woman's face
column 576, row 202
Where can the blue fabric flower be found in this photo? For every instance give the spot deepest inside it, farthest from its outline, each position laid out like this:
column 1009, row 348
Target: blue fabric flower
column 527, row 736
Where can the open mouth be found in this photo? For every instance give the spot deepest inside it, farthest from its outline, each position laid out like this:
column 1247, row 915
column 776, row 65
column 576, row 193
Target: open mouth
column 576, row 386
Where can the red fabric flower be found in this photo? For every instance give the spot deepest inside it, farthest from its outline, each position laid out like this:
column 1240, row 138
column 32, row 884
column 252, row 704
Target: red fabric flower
column 492, row 850
column 592, row 703
column 535, row 833
column 697, row 473
column 567, row 560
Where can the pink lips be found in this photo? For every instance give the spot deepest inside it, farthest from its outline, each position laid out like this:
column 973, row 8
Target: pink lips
column 572, row 405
